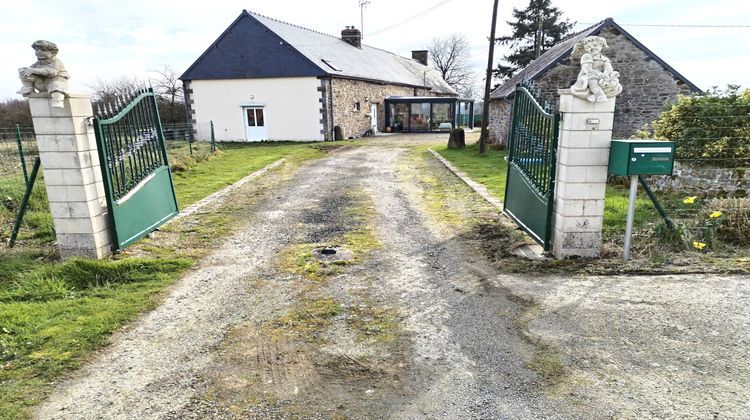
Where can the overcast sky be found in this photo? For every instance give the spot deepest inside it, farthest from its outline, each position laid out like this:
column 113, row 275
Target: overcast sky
column 110, row 38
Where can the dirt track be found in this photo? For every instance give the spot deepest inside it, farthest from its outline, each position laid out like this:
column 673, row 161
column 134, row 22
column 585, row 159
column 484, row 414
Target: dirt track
column 412, row 325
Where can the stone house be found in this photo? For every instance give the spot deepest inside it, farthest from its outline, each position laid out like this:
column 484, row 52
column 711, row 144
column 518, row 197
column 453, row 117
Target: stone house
column 264, row 79
column 648, row 82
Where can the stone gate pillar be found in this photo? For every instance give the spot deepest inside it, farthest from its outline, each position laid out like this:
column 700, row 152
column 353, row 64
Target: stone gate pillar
column 72, row 176
column 582, row 161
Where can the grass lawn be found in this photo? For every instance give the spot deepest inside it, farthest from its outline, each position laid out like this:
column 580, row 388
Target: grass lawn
column 489, row 169
column 232, row 163
column 53, row 314
column 616, row 210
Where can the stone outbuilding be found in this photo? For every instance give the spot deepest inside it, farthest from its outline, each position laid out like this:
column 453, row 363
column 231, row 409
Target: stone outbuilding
column 648, row 82
column 264, row 79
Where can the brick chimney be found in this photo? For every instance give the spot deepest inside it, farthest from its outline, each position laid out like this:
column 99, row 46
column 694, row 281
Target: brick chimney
column 420, row 55
column 352, row 35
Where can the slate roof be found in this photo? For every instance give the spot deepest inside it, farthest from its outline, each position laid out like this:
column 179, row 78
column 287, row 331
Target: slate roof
column 561, row 51
column 256, row 46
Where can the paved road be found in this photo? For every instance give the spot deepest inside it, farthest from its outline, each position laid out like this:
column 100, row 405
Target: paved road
column 214, row 347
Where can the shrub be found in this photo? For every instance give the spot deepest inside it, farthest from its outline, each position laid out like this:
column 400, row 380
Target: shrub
column 710, row 129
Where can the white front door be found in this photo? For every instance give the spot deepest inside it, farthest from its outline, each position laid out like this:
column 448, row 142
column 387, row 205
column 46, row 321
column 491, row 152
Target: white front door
column 374, row 118
column 255, row 123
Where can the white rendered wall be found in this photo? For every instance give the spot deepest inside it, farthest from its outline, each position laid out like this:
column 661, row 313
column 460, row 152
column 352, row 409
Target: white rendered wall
column 292, row 107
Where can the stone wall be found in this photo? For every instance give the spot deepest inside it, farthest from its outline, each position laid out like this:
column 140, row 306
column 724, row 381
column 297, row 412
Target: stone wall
column 326, row 117
column 713, row 182
column 500, row 121
column 346, row 92
column 647, row 86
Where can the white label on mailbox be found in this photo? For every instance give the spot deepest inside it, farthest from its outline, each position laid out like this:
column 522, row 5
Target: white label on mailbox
column 652, row 150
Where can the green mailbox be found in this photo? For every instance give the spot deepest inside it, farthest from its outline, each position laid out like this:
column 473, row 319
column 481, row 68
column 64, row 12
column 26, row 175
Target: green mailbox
column 641, row 157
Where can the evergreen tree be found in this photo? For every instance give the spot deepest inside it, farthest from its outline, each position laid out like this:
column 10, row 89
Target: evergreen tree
column 535, row 30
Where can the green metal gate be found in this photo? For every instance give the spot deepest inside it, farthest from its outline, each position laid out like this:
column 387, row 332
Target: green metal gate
column 137, row 180
column 530, row 186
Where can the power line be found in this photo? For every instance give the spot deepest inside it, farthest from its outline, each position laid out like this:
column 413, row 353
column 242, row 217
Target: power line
column 410, row 18
column 660, row 25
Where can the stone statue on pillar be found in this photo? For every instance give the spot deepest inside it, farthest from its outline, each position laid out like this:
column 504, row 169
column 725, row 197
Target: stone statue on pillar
column 597, row 81
column 47, row 75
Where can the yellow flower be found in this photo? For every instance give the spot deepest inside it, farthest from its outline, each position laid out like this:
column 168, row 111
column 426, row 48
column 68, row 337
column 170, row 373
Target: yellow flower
column 689, row 200
column 698, row 245
column 715, row 214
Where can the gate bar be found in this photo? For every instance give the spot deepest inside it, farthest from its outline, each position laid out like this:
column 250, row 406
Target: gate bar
column 24, row 202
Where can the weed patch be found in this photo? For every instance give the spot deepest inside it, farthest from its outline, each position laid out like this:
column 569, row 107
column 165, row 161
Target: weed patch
column 308, row 318
column 359, row 239
column 371, row 321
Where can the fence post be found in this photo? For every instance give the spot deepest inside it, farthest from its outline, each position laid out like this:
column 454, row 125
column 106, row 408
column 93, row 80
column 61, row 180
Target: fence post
column 72, row 175
column 213, row 138
column 189, row 136
column 582, row 161
column 21, row 154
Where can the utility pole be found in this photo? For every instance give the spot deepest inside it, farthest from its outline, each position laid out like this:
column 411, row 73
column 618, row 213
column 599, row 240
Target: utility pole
column 487, row 84
column 362, row 5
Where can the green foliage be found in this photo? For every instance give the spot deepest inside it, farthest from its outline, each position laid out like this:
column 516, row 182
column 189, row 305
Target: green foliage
column 711, row 129
column 527, row 41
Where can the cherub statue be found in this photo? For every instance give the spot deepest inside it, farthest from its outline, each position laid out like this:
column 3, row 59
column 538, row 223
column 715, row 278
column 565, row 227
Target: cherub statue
column 47, row 75
column 597, row 81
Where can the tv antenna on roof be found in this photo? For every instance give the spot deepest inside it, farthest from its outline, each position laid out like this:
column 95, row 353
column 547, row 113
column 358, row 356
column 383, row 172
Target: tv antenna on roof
column 362, row 5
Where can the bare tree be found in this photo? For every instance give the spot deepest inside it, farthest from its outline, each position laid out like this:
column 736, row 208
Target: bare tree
column 106, row 91
column 450, row 55
column 168, row 87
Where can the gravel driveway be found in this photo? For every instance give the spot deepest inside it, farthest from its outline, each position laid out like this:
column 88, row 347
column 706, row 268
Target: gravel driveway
column 420, row 327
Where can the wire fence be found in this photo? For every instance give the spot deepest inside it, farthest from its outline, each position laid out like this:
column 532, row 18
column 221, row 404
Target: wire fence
column 186, row 146
column 18, row 152
column 706, row 201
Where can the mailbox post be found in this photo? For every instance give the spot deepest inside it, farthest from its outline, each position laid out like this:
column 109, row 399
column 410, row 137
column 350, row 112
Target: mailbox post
column 639, row 157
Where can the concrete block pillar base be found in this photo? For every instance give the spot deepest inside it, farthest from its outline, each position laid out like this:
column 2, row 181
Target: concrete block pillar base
column 70, row 162
column 582, row 161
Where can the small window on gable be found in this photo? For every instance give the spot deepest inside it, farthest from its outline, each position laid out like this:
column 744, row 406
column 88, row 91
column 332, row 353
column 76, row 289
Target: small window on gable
column 356, row 106
column 331, row 65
